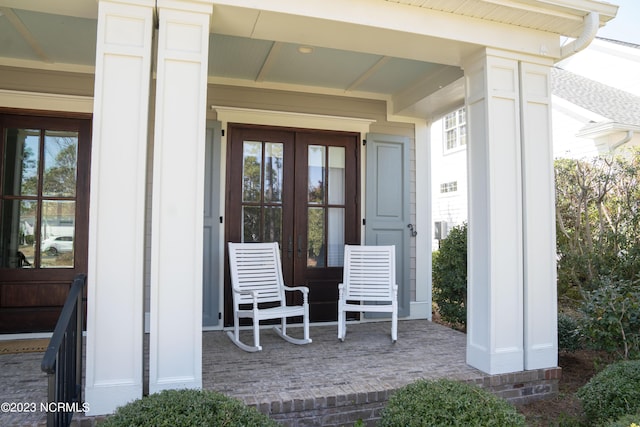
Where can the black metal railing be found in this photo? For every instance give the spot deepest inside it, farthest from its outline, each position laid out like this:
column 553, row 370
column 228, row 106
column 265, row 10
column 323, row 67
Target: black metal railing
column 62, row 360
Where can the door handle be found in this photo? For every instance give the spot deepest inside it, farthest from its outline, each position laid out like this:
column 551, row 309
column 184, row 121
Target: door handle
column 299, row 246
column 414, row 233
column 290, row 247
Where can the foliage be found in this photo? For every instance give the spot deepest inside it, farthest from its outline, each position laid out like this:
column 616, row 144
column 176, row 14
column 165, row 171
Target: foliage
column 186, row 408
column 450, row 277
column 569, row 333
column 612, row 393
column 611, row 319
column 448, row 403
column 597, row 222
column 626, row 421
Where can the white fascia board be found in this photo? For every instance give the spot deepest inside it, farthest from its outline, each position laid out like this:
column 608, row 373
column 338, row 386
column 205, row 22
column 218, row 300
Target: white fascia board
column 49, row 66
column 318, row 90
column 45, row 101
column 605, row 128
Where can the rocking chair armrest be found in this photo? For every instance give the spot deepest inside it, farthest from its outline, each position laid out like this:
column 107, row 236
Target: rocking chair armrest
column 254, row 294
column 303, row 289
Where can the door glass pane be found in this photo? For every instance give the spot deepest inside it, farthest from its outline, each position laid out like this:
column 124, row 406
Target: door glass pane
column 274, row 167
column 251, row 171
column 250, row 224
column 335, row 237
column 273, row 224
column 57, row 233
column 336, row 175
column 316, row 173
column 60, row 154
column 315, row 237
column 20, row 163
column 17, row 233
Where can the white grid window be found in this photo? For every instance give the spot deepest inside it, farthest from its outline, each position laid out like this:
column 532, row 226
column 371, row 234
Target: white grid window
column 455, row 130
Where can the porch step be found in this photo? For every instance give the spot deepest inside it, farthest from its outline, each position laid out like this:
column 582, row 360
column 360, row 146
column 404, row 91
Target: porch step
column 346, row 409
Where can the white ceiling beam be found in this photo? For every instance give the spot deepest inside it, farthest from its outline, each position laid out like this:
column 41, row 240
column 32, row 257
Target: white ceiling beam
column 271, row 58
column 423, row 88
column 367, row 74
column 24, row 32
column 76, row 8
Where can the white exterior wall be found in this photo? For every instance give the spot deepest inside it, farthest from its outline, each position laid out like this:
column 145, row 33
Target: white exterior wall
column 447, row 166
column 568, row 119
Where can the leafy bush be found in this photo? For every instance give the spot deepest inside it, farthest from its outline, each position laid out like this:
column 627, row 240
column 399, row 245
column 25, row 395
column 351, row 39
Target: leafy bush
column 186, row 408
column 626, row 421
column 450, row 277
column 448, row 403
column 569, row 335
column 611, row 319
column 597, row 222
column 612, row 393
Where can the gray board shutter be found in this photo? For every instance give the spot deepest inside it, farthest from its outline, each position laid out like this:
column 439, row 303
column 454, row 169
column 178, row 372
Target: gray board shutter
column 387, row 205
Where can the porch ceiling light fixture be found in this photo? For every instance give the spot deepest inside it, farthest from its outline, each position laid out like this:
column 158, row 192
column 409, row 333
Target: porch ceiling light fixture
column 305, row 49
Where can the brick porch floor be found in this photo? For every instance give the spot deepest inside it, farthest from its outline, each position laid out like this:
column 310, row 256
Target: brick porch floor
column 324, row 383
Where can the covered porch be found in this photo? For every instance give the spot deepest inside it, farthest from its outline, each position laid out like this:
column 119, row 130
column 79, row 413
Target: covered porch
column 325, row 383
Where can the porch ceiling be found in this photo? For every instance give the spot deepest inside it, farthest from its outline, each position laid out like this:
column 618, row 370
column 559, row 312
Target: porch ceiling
column 327, row 48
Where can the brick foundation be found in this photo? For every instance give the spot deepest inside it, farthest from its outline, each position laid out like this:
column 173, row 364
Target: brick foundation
column 345, row 410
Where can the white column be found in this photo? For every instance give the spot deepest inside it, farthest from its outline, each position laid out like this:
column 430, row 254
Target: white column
column 175, row 356
column 114, row 372
column 540, row 290
column 495, row 268
column 424, row 220
column 512, row 308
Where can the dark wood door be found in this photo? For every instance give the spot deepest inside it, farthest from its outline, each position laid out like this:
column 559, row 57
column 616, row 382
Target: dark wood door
column 299, row 188
column 44, row 200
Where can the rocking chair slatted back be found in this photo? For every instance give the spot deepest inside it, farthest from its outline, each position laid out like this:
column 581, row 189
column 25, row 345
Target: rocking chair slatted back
column 369, row 285
column 370, row 273
column 257, row 269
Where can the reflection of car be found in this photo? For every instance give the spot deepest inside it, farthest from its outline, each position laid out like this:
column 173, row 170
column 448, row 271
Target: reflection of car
column 58, row 244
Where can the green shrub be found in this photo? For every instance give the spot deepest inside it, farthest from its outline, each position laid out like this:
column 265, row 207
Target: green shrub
column 613, row 392
column 626, row 421
column 611, row 320
column 448, row 403
column 569, row 335
column 450, row 277
column 187, row 408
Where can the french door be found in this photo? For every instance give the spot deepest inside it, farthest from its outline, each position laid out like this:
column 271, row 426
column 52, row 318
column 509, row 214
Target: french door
column 44, row 201
column 299, row 188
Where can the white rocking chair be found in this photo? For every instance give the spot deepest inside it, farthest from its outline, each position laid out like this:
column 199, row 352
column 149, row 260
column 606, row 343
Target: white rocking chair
column 256, row 278
column 369, row 277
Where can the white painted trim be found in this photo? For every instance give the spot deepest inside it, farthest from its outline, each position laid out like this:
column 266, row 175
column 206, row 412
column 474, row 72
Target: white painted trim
column 307, row 89
column 291, row 119
column 27, row 336
column 49, row 66
column 420, row 310
column 45, row 101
